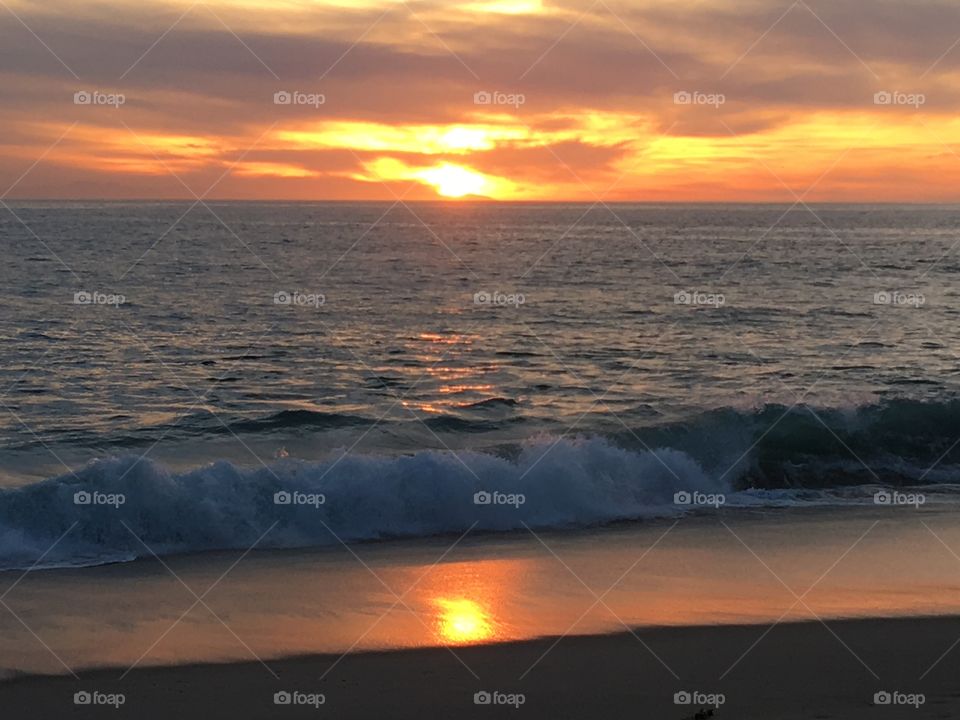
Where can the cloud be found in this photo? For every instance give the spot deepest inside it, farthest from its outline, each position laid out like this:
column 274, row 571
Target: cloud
column 398, row 82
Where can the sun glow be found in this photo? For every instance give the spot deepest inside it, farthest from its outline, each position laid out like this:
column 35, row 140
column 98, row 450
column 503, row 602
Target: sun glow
column 507, row 7
column 463, row 621
column 457, row 139
column 455, row 181
column 449, row 180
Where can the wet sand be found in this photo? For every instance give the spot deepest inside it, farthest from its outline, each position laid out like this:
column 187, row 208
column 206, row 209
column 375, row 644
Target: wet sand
column 851, row 563
column 797, row 670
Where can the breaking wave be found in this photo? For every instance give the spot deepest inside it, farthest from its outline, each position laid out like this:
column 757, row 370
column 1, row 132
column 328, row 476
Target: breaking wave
column 770, row 457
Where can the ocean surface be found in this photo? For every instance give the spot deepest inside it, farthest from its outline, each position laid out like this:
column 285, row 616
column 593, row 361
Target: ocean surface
column 178, row 378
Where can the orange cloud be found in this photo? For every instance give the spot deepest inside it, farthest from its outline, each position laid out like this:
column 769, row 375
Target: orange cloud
column 599, row 117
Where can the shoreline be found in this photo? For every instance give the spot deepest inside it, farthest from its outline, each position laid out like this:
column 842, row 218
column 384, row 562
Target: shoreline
column 505, row 589
column 753, row 514
column 795, row 670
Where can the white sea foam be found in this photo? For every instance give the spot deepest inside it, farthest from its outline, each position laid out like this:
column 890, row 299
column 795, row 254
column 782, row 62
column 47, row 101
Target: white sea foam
column 564, row 483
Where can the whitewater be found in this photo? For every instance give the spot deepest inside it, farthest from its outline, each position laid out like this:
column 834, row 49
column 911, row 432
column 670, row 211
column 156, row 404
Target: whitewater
column 120, row 508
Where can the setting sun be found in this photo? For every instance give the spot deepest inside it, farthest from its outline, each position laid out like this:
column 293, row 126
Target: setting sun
column 455, row 181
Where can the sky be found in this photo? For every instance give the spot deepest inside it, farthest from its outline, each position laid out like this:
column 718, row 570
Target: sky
column 526, row 100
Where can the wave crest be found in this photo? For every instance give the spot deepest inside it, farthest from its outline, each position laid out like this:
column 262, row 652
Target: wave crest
column 567, row 482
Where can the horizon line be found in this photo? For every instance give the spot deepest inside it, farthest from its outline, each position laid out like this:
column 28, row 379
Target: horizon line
column 474, row 201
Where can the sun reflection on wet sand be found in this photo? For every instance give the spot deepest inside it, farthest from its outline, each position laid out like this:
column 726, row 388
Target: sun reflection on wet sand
column 469, row 601
column 463, row 621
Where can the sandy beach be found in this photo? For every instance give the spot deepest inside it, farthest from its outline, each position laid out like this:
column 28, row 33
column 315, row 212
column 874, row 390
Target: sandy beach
column 797, row 670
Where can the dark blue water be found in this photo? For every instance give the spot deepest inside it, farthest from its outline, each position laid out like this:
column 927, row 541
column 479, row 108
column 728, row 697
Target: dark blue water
column 401, row 358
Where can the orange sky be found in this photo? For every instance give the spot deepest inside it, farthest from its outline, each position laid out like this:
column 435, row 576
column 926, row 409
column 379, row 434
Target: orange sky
column 682, row 100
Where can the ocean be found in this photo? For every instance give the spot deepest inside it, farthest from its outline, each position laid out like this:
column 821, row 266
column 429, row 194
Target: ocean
column 177, row 379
